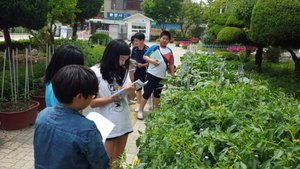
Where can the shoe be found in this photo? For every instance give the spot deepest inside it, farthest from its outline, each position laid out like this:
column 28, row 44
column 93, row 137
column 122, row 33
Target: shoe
column 137, row 108
column 130, row 102
column 140, row 115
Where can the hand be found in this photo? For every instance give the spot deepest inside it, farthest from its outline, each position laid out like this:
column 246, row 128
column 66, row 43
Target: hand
column 155, row 62
column 130, row 87
column 115, row 98
column 140, row 65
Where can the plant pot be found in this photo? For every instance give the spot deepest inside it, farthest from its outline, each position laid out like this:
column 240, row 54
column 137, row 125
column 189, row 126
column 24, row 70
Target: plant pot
column 39, row 96
column 177, row 43
column 184, row 45
column 19, row 119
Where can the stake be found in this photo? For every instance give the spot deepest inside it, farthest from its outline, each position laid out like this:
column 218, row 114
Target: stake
column 3, row 73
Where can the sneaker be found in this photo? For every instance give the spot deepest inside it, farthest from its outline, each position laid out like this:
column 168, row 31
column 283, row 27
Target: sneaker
column 130, row 102
column 137, row 108
column 140, row 115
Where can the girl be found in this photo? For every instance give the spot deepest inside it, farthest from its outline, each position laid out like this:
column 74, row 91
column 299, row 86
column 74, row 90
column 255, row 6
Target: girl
column 64, row 55
column 112, row 74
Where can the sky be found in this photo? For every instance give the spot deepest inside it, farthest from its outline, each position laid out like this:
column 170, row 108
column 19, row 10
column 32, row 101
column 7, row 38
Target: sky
column 200, row 0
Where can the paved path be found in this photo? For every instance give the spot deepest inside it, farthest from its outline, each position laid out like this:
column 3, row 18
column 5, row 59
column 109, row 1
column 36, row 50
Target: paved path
column 16, row 149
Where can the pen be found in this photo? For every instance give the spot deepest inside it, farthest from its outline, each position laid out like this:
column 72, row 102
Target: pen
column 118, row 87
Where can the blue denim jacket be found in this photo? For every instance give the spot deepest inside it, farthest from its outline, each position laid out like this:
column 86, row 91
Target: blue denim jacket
column 65, row 139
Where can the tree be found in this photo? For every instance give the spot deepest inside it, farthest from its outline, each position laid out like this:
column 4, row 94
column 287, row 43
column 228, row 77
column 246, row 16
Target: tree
column 26, row 13
column 89, row 9
column 274, row 22
column 162, row 11
column 189, row 16
column 63, row 11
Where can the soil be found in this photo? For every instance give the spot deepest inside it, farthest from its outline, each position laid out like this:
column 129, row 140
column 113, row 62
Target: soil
column 15, row 107
column 22, row 58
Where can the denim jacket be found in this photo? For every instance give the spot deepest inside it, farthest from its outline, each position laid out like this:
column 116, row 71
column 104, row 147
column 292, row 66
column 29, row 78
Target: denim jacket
column 63, row 139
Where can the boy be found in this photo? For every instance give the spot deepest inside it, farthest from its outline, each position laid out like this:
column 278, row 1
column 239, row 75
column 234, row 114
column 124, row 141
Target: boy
column 137, row 54
column 158, row 72
column 63, row 137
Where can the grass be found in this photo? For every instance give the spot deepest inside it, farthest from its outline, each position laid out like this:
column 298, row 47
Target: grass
column 279, row 76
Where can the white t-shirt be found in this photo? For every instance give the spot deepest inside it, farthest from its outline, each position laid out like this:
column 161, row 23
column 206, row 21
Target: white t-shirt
column 117, row 112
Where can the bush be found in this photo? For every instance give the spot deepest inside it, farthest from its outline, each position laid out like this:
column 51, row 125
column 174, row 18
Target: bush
column 231, row 35
column 272, row 54
column 228, row 55
column 234, row 22
column 92, row 52
column 100, row 38
column 208, row 38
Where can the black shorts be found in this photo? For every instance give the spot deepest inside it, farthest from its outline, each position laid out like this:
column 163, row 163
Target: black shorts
column 152, row 85
column 140, row 73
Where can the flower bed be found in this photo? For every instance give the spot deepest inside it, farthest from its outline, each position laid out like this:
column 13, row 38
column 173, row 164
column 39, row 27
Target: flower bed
column 212, row 116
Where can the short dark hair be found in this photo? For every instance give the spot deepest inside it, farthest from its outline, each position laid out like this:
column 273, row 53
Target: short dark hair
column 110, row 66
column 167, row 33
column 72, row 80
column 66, row 54
column 139, row 36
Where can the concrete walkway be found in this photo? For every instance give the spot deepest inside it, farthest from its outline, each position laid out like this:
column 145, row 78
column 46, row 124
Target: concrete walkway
column 16, row 149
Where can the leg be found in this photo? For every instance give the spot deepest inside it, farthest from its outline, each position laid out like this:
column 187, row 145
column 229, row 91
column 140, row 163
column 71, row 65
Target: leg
column 138, row 99
column 155, row 104
column 115, row 148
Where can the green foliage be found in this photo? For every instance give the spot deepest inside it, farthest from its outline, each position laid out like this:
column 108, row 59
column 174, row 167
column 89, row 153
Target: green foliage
column 272, row 54
column 208, row 38
column 34, row 81
column 216, row 29
column 182, row 39
column 228, row 55
column 274, row 23
column 197, row 31
column 92, row 52
column 232, row 21
column 221, row 19
column 242, row 10
column 88, row 8
column 20, row 44
column 206, row 114
column 100, row 38
column 26, row 13
column 162, row 11
column 230, row 35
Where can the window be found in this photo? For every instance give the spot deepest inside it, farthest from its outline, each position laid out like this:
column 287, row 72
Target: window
column 138, row 27
column 117, row 4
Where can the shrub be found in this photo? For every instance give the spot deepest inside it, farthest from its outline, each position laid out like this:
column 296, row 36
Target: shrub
column 228, row 55
column 208, row 38
column 272, row 54
column 100, row 38
column 231, row 35
column 234, row 22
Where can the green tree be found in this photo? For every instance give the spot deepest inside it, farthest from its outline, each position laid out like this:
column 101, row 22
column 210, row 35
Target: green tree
column 89, row 9
column 189, row 16
column 62, row 11
column 26, row 13
column 162, row 11
column 275, row 23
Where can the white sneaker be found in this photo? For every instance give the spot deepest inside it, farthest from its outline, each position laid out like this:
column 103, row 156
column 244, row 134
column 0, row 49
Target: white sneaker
column 130, row 102
column 140, row 115
column 150, row 104
column 137, row 108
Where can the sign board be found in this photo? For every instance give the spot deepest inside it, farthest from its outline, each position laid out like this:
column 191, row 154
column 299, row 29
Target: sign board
column 118, row 15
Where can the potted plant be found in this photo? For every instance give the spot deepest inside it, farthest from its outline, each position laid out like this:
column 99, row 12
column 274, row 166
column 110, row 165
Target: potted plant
column 184, row 44
column 194, row 40
column 172, row 40
column 20, row 111
column 157, row 40
column 38, row 93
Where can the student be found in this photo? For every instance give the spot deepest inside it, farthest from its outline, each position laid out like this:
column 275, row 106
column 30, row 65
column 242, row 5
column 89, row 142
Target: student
column 131, row 69
column 63, row 138
column 65, row 55
column 157, row 73
column 112, row 74
column 137, row 54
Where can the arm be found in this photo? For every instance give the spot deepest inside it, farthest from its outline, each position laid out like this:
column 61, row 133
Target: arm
column 149, row 60
column 98, row 102
column 171, row 66
column 142, row 65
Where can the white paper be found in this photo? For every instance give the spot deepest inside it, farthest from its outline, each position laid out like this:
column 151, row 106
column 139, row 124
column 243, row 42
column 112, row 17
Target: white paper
column 103, row 124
